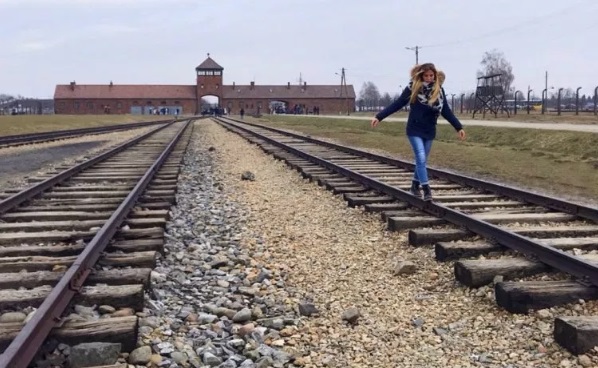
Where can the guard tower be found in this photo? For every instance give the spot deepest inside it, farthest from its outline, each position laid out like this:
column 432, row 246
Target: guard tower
column 490, row 95
column 209, row 80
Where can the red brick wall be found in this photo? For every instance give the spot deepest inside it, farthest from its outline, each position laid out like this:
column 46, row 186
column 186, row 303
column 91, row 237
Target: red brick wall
column 86, row 106
column 330, row 106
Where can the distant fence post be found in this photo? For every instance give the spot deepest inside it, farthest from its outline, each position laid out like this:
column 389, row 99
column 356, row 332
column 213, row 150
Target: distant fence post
column 577, row 101
column 528, row 92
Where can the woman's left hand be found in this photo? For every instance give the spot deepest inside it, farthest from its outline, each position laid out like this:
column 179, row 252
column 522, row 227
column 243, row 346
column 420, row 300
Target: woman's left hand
column 461, row 134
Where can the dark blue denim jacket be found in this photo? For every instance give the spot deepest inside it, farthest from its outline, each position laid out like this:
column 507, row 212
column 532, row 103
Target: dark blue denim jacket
column 422, row 117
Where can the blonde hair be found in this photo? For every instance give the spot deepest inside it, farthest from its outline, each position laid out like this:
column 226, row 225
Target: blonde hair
column 417, row 79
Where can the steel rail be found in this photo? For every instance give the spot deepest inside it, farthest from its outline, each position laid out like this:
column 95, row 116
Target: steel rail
column 586, row 212
column 29, row 193
column 35, row 137
column 551, row 256
column 23, row 348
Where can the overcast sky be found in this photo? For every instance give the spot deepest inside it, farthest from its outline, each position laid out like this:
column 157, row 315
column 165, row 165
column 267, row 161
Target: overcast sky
column 49, row 42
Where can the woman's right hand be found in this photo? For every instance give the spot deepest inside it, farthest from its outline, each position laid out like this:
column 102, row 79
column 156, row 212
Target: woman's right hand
column 374, row 122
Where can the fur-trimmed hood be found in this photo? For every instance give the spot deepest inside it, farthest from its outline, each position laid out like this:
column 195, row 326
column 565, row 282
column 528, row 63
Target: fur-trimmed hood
column 440, row 76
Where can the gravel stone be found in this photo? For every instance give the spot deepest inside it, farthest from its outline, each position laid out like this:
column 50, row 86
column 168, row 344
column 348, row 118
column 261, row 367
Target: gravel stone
column 307, row 309
column 405, row 268
column 140, row 355
column 243, row 315
column 93, row 354
column 351, row 315
column 211, row 359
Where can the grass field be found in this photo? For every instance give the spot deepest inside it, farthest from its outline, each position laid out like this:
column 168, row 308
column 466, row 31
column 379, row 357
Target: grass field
column 522, row 116
column 556, row 162
column 23, row 124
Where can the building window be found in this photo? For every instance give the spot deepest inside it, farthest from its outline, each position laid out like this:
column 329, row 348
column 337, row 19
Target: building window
column 201, row 72
column 90, row 105
column 76, row 105
column 149, row 103
column 163, row 102
column 201, row 86
column 241, row 103
column 177, row 102
column 217, row 72
column 135, row 102
column 217, row 86
column 252, row 106
column 259, row 105
column 119, row 105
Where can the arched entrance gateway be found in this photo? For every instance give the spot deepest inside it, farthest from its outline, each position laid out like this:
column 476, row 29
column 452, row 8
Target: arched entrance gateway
column 208, row 93
column 210, row 105
column 279, row 107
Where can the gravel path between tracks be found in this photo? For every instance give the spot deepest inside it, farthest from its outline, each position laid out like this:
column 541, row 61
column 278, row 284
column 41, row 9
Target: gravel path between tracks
column 341, row 258
column 20, row 161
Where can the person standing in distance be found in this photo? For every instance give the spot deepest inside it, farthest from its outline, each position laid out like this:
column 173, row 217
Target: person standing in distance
column 427, row 100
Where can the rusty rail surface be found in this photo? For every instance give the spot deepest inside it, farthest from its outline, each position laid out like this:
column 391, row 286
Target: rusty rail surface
column 29, row 193
column 23, row 348
column 551, row 256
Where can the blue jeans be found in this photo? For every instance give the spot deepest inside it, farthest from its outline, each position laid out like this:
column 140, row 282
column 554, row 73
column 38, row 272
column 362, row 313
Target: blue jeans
column 421, row 150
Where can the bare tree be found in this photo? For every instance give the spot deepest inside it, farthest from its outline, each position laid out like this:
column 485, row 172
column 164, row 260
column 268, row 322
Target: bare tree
column 386, row 99
column 369, row 94
column 360, row 104
column 495, row 62
column 6, row 97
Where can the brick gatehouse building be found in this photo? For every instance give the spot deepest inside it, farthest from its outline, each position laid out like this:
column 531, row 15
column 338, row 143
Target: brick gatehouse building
column 112, row 98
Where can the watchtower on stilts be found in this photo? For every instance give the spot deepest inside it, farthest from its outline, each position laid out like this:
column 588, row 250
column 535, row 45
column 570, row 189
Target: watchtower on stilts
column 490, row 95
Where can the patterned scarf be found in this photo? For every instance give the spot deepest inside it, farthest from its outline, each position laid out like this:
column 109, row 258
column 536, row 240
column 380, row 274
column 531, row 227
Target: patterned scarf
column 426, row 92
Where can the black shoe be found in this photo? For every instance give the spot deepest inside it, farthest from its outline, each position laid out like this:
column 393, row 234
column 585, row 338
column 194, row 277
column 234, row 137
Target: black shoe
column 415, row 189
column 427, row 192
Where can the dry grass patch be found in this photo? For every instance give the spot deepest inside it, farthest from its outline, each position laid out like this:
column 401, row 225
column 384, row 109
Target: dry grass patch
column 522, row 116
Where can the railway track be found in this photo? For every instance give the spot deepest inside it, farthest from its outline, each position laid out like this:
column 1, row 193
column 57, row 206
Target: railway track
column 81, row 243
column 538, row 251
column 32, row 138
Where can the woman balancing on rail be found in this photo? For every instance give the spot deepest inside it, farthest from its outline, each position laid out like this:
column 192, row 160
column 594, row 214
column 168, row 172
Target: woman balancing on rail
column 427, row 100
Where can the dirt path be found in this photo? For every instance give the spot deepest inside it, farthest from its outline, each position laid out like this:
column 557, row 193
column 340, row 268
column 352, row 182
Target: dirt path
column 490, row 123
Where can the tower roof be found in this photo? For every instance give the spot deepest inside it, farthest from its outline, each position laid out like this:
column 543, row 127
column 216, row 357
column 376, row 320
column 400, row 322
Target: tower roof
column 209, row 63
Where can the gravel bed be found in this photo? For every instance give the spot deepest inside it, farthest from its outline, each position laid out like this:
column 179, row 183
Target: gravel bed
column 341, row 258
column 274, row 271
column 27, row 160
column 212, row 302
